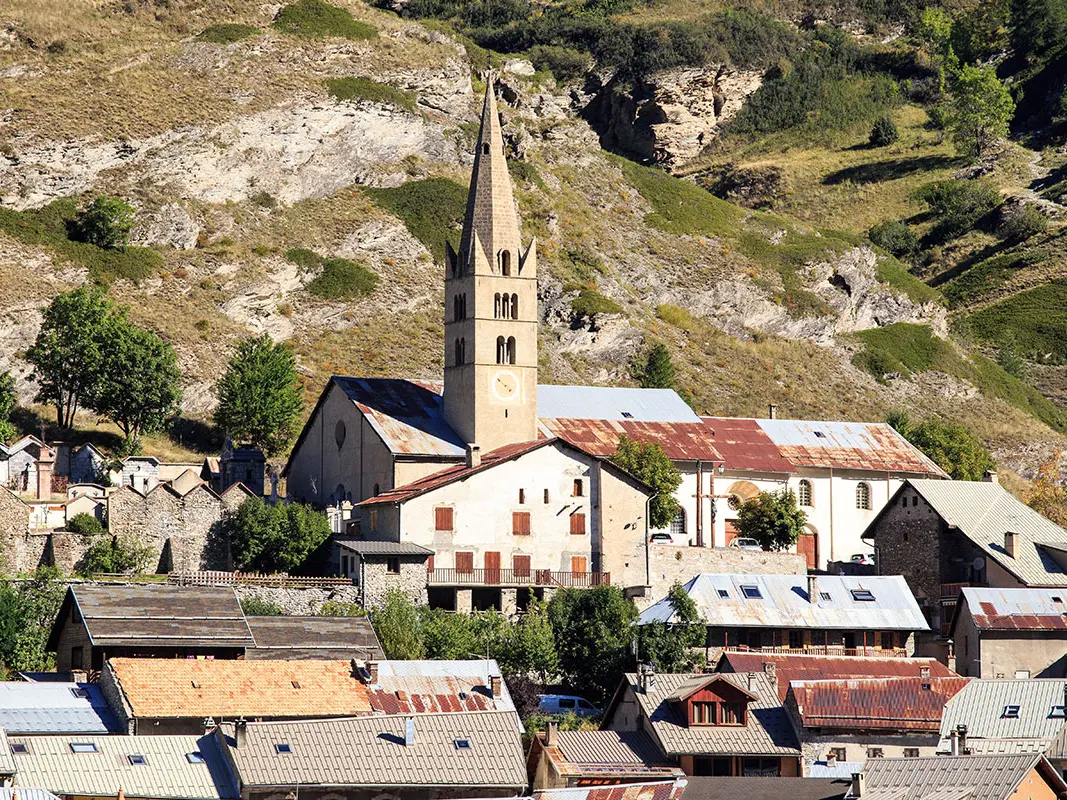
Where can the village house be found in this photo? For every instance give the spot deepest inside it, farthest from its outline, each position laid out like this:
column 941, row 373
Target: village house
column 55, row 707
column 1003, row 633
column 988, row 777
column 853, row 719
column 945, row 535
column 384, row 757
column 826, row 614
column 717, row 725
column 570, row 759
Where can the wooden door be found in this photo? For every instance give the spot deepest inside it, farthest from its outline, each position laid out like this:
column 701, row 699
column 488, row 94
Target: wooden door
column 492, row 567
column 521, row 566
column 808, row 546
column 465, row 562
column 731, row 532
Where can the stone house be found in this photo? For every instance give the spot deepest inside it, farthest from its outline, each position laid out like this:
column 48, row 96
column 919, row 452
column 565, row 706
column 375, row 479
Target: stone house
column 87, row 465
column 244, row 465
column 378, row 567
column 140, row 473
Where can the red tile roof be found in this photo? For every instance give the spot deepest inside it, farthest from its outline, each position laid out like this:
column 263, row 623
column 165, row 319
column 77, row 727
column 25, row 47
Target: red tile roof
column 875, row 703
column 809, row 667
column 744, row 445
column 681, row 441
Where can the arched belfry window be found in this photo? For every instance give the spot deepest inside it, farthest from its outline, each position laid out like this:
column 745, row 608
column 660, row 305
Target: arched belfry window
column 496, row 305
column 504, row 260
column 511, row 349
column 514, row 306
column 501, row 350
column 461, row 351
column 505, row 306
column 485, row 148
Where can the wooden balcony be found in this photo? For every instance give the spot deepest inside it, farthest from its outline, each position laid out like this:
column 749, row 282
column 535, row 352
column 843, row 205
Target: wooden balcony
column 825, row 650
column 512, row 577
column 950, row 592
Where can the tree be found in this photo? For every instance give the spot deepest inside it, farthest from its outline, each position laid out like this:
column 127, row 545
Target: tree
column 532, row 646
column 84, row 523
column 279, row 537
column 668, row 645
column 593, row 632
column 116, row 556
column 27, row 611
column 883, row 132
column 8, row 398
column 1048, row 492
column 396, row 622
column 105, row 221
column 69, row 350
column 260, row 400
column 980, row 111
column 658, row 371
column 1037, row 27
column 647, row 462
column 951, row 446
column 138, row 382
column 772, row 519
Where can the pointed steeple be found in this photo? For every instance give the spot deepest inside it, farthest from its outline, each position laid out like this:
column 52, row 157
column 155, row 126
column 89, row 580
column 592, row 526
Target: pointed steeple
column 491, row 224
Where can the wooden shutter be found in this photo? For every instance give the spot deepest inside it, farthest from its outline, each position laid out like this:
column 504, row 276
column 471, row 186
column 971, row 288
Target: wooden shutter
column 464, row 562
column 731, row 532
column 520, row 523
column 442, row 519
column 578, row 564
column 429, row 563
column 578, row 523
column 521, row 566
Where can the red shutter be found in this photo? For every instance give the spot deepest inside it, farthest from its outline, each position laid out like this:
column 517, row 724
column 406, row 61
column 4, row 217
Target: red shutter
column 520, row 523
column 442, row 518
column 521, row 566
column 464, row 562
column 578, row 523
column 429, row 563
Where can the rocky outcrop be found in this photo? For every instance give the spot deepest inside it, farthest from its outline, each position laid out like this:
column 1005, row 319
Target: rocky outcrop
column 674, row 115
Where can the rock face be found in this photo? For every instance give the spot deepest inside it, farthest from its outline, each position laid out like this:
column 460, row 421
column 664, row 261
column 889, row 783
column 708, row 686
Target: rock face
column 673, row 116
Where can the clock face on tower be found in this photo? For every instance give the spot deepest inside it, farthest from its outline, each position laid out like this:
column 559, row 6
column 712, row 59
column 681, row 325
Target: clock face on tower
column 504, row 385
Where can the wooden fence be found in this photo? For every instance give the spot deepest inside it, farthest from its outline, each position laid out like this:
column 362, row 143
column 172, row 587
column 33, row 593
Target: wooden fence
column 216, row 578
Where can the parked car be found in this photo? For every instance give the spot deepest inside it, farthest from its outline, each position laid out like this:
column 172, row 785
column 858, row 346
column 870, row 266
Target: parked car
column 861, row 558
column 662, row 537
column 744, row 543
column 567, row 704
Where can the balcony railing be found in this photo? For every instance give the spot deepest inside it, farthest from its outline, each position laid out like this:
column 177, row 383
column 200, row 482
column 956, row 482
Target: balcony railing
column 448, row 576
column 950, row 592
column 826, row 650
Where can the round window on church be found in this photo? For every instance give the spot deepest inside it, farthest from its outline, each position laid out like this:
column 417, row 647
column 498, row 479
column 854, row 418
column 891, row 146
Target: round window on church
column 340, row 432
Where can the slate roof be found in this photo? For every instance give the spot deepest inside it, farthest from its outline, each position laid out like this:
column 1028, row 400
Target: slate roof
column 156, row 615
column 784, row 603
column 730, row 788
column 55, row 708
column 295, row 637
column 370, row 751
column 913, row 704
column 167, row 775
column 980, row 706
column 946, row 777
column 1015, row 609
column 768, row 732
column 984, row 511
column 808, row 667
column 372, row 548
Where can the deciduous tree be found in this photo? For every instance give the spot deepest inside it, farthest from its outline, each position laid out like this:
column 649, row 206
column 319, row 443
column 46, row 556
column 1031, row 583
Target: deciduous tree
column 396, row 622
column 647, row 462
column 981, row 110
column 105, row 221
column 8, row 398
column 267, row 537
column 1048, row 492
column 772, row 519
column 951, row 446
column 669, row 645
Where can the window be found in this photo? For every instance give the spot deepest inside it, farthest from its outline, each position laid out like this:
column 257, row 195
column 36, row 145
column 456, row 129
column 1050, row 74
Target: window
column 804, row 493
column 875, row 752
column 138, row 760
column 283, row 748
column 548, row 497
column 703, row 713
column 485, row 148
column 463, row 744
column 505, row 306
column 826, row 596
column 577, row 491
column 578, row 565
column 79, row 692
column 725, row 595
column 839, row 753
column 521, row 566
column 511, row 349
column 818, row 638
column 1011, row 711
column 20, row 748
column 195, row 758
column 442, row 518
column 863, row 496
column 83, row 747
column 339, row 433
column 514, row 306
column 796, row 640
column 522, row 497
column 751, row 592
column 504, row 259
column 377, row 490
column 678, row 523
column 578, row 524
column 496, row 306
column 505, row 350
column 1058, row 712
column 77, row 658
column 915, row 500
column 392, row 565
column 520, row 523
column 911, row 752
column 731, row 713
column 863, row 595
column 373, row 520
column 733, row 502
column 759, row 767
column 465, row 562
column 567, row 702
column 461, row 351
column 887, row 640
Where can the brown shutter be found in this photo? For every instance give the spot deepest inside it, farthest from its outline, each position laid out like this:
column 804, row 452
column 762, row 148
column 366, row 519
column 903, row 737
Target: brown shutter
column 578, row 523
column 442, row 518
column 429, row 563
column 520, row 523
column 464, row 562
column 521, row 566
column 578, row 564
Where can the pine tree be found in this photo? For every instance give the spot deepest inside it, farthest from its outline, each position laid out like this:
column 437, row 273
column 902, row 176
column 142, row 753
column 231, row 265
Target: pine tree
column 658, row 371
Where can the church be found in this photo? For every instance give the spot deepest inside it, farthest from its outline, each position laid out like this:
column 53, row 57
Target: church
column 488, row 479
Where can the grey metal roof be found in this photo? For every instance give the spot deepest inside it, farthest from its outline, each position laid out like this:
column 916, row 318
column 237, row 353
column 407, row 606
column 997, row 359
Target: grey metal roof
column 839, row 769
column 25, row 793
column 608, row 747
column 612, row 402
column 168, row 774
column 784, row 603
column 367, row 548
column 767, row 732
column 980, row 706
column 945, row 777
column 370, row 751
column 54, row 708
column 984, row 511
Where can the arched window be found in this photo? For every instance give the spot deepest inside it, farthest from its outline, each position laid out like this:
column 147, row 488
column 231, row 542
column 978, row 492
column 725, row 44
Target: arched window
column 511, row 349
column 496, row 305
column 461, row 348
column 505, row 306
column 514, row 306
column 457, row 313
column 501, row 350
column 863, row 496
column 504, row 260
column 678, row 523
column 485, row 148
column 804, row 494
column 377, row 490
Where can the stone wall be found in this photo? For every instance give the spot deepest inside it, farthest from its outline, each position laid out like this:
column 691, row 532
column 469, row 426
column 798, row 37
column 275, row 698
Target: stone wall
column 670, row 564
column 303, row 601
column 14, row 523
column 379, row 581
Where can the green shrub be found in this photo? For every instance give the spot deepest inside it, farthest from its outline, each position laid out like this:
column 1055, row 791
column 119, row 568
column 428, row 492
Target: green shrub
column 105, row 221
column 302, row 257
column 590, row 302
column 432, row 210
column 346, row 89
column 337, row 608
column 343, row 279
column 883, row 132
column 525, row 172
column 227, row 33
column 896, row 238
column 264, row 200
column 565, row 63
column 1019, row 222
column 116, row 556
column 674, row 315
column 85, row 524
column 317, row 19
column 957, row 206
column 259, row 606
column 937, row 117
column 904, row 347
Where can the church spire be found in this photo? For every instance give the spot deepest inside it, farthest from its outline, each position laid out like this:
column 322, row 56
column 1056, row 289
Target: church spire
column 490, row 225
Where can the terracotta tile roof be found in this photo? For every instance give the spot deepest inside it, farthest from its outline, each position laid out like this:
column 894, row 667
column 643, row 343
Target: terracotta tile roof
column 744, row 445
column 875, row 703
column 681, row 441
column 223, row 688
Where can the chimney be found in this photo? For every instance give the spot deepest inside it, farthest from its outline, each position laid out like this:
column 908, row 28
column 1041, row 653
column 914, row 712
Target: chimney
column 474, row 455
column 646, row 678
column 550, row 735
column 372, row 672
column 240, row 732
column 813, row 590
column 1011, row 544
column 924, row 673
column 831, row 759
column 495, row 682
column 859, row 784
column 44, row 473
column 954, row 743
column 209, row 725
column 752, row 681
column 409, row 732
column 772, row 411
column 770, row 669
column 990, row 476
column 961, row 730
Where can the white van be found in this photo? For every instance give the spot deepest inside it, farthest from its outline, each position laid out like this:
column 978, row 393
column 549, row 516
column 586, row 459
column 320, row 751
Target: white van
column 567, row 704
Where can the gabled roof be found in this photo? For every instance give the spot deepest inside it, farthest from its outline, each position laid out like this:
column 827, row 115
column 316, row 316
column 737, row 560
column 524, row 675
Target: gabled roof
column 913, row 704
column 783, row 602
column 1014, row 609
column 980, row 706
column 370, row 751
column 700, row 682
column 681, row 441
column 27, row 707
column 745, row 447
column 946, row 777
column 153, row 615
column 768, row 731
column 808, row 667
column 450, row 685
column 606, row 755
column 368, row 547
column 167, row 774
column 408, row 415
column 984, row 511
column 295, row 637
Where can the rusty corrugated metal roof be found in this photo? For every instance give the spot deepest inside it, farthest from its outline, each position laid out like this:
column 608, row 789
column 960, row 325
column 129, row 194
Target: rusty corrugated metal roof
column 1016, row 609
column 425, row 686
column 681, row 441
column 744, row 445
column 875, row 703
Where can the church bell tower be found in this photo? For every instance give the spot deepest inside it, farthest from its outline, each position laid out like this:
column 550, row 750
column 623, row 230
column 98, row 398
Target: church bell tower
column 491, row 307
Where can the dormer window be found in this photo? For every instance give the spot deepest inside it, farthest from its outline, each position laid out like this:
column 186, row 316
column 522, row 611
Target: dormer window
column 710, row 712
